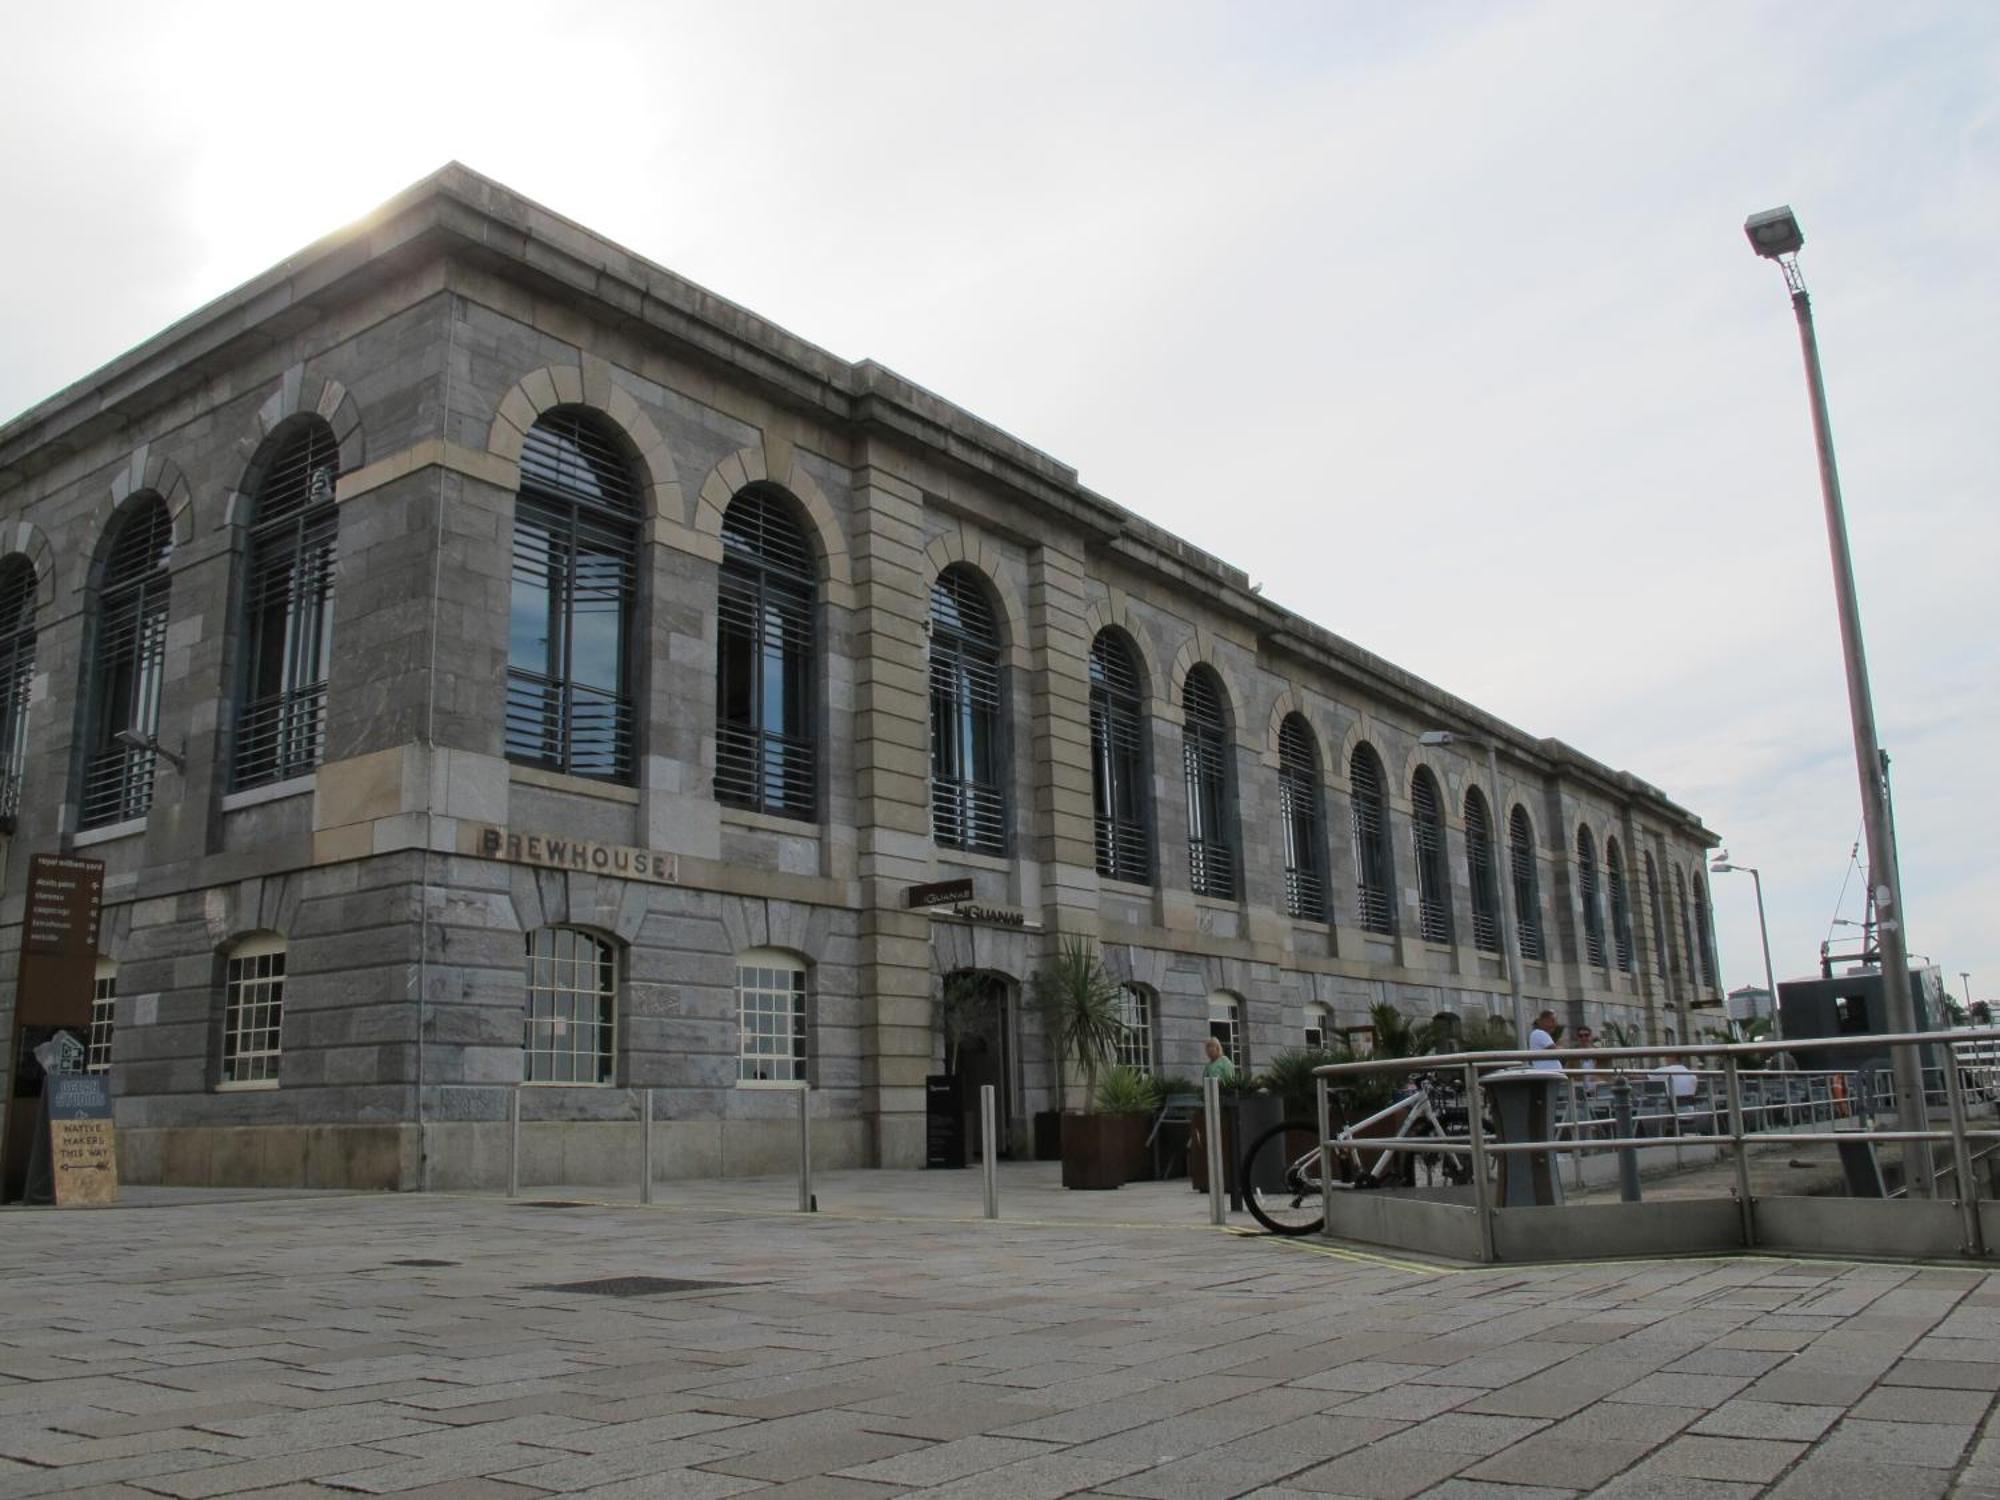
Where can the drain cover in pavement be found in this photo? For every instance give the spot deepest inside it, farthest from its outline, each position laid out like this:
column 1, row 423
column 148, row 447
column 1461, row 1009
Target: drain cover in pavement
column 552, row 1203
column 629, row 1286
column 420, row 1261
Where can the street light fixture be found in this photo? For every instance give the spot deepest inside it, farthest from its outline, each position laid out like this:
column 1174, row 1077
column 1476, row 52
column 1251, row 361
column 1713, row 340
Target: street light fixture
column 1775, row 235
column 1510, row 941
column 1721, row 866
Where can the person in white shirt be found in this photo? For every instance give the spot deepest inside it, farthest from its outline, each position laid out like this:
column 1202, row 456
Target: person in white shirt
column 1680, row 1075
column 1542, row 1039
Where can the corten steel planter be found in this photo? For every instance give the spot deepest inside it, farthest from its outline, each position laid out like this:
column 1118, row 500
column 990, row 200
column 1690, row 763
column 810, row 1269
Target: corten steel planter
column 1090, row 1158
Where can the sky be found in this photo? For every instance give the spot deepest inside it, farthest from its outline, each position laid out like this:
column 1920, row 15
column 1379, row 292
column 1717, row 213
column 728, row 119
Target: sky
column 1439, row 320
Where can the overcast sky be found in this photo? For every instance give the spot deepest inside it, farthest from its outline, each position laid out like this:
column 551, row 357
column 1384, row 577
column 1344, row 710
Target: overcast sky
column 1437, row 319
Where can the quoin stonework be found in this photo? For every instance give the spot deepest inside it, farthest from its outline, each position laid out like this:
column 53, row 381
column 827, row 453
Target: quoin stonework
column 483, row 659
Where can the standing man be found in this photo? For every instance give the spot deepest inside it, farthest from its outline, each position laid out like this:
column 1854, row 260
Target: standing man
column 1543, row 1038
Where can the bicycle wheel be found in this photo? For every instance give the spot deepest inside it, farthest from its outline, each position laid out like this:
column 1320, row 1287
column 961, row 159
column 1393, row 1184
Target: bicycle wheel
column 1282, row 1186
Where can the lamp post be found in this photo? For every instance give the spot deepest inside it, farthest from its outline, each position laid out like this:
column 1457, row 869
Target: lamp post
column 1510, row 940
column 1776, row 235
column 1965, row 978
column 1722, row 866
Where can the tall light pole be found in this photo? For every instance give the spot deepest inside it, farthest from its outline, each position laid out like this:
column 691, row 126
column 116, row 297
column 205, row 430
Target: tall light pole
column 1722, row 866
column 1965, row 978
column 1510, row 940
column 1776, row 235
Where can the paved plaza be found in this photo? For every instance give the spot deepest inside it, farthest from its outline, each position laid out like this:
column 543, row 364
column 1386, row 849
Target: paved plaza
column 895, row 1343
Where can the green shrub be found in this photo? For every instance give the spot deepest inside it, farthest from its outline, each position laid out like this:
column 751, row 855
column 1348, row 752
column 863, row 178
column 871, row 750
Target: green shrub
column 1290, row 1077
column 1124, row 1090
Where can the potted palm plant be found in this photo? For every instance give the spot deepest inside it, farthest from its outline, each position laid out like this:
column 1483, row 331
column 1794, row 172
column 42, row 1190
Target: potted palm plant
column 1128, row 1100
column 1082, row 1015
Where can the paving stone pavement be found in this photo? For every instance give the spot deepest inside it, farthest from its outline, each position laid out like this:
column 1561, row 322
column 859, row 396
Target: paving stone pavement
column 293, row 1346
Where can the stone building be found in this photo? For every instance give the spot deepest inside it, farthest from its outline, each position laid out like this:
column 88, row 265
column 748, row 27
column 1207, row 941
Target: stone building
column 481, row 657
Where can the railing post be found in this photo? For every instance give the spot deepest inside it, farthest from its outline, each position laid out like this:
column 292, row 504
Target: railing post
column 806, row 1203
column 1575, row 1131
column 1211, row 1109
column 514, row 1143
column 1622, row 1123
column 1961, row 1155
column 1482, row 1190
column 1733, row 1087
column 645, row 1145
column 1324, row 1102
column 989, row 1154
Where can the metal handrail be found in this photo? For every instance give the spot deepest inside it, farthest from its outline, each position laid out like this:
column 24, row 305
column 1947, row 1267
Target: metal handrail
column 1862, row 1042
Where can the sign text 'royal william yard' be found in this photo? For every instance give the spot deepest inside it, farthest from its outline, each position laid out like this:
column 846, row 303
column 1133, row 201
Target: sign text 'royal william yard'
column 553, row 852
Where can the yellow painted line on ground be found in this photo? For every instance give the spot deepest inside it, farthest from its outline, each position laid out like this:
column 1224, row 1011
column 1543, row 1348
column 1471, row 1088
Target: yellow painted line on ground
column 1313, row 1246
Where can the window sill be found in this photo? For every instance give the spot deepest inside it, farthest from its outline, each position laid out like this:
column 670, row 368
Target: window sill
column 1218, row 903
column 564, row 1083
column 770, row 1085
column 276, row 791
column 106, row 833
column 582, row 786
column 1119, row 887
column 247, row 1086
column 998, row 863
column 741, row 817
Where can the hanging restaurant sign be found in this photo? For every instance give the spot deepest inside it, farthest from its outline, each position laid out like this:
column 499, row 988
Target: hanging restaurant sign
column 939, row 893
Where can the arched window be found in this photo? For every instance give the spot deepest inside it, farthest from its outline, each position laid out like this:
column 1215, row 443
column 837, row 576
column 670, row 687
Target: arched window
column 126, row 666
column 103, row 1017
column 1225, row 1024
column 1118, row 761
column 1300, row 821
column 253, row 1012
column 771, row 1017
column 17, row 675
column 766, row 753
column 1318, row 1027
column 288, row 610
column 1686, row 952
column 569, row 628
column 1373, row 878
column 1483, row 872
column 1527, row 887
column 1621, row 905
column 1433, row 874
column 1657, row 911
column 1704, row 938
column 1205, row 767
column 571, row 1022
column 1586, row 890
column 1135, row 1015
column 968, row 801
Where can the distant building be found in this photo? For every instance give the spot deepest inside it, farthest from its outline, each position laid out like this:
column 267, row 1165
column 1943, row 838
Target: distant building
column 561, row 676
column 1751, row 1002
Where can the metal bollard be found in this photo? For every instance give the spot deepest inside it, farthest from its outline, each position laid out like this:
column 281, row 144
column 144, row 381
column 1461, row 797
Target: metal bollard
column 1211, row 1110
column 646, row 1146
column 989, row 1150
column 1628, row 1156
column 514, row 1143
column 807, row 1203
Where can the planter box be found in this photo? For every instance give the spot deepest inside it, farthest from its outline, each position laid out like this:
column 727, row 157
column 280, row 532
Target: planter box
column 1091, row 1146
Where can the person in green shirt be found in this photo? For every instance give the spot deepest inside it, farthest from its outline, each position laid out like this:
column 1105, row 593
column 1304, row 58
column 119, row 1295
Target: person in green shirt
column 1219, row 1065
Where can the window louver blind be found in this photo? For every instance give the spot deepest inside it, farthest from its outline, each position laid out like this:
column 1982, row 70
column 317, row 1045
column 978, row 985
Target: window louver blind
column 1205, row 769
column 288, row 612
column 766, row 755
column 1433, row 875
column 1118, row 763
column 1527, row 888
column 17, row 672
column 1593, row 914
column 1374, row 898
column 968, row 806
column 576, row 544
column 1481, row 868
column 129, row 656
column 1299, row 813
column 1621, row 906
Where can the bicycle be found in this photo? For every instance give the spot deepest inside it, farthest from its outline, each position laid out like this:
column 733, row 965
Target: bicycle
column 1285, row 1192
